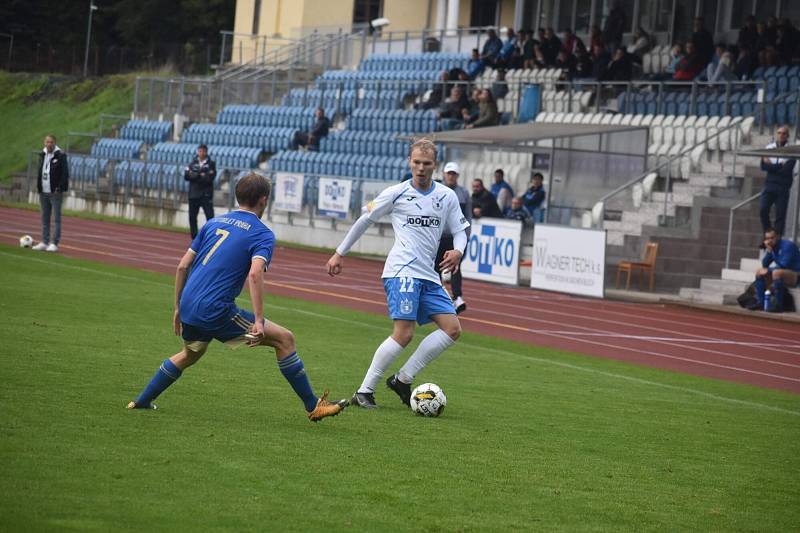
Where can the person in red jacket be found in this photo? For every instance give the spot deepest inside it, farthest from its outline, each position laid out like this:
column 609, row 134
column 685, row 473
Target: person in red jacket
column 690, row 66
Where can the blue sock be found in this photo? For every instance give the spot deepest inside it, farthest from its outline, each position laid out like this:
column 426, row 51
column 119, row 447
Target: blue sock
column 166, row 375
column 777, row 293
column 761, row 286
column 295, row 373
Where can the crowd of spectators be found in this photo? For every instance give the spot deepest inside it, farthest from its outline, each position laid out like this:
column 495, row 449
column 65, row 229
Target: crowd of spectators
column 499, row 201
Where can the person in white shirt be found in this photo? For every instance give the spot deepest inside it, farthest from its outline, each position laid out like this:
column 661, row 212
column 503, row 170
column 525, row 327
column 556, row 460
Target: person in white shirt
column 52, row 182
column 421, row 211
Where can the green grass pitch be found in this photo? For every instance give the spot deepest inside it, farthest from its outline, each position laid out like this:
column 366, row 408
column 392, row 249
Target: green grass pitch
column 532, row 439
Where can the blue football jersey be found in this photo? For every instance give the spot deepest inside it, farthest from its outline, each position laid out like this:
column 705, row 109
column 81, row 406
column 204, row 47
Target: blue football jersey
column 225, row 247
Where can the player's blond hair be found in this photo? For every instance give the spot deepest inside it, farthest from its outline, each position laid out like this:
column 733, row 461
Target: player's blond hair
column 424, row 144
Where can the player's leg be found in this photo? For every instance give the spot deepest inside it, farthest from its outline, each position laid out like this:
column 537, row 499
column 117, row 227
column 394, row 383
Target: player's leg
column 290, row 365
column 194, row 209
column 434, row 306
column 782, row 278
column 402, row 297
column 168, row 373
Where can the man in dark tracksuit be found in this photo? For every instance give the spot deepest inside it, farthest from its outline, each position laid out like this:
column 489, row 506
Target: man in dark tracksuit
column 200, row 174
column 52, row 182
column 779, row 182
column 451, row 171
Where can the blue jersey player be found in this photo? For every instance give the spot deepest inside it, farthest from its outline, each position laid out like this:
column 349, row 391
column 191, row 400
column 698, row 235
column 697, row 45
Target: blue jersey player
column 229, row 251
column 421, row 210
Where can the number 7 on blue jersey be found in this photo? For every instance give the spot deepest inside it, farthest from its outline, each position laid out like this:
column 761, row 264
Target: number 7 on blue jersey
column 224, row 234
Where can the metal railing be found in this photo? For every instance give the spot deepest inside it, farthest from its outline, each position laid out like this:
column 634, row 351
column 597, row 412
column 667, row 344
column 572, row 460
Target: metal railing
column 668, row 163
column 730, row 226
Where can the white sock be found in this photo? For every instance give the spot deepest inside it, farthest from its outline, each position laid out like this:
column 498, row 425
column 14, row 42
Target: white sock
column 428, row 350
column 384, row 356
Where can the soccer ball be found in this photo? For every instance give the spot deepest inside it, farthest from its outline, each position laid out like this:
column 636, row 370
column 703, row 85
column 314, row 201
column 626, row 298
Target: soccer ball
column 26, row 241
column 428, row 400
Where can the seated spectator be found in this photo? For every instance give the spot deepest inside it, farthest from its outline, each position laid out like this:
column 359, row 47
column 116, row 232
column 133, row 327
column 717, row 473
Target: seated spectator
column 487, row 114
column 724, row 70
column 533, row 199
column 318, row 131
column 675, row 56
column 491, row 48
column 690, row 65
column 451, row 113
column 471, row 113
column 500, row 85
column 571, row 43
column 550, row 47
column 567, row 63
column 762, row 40
column 620, row 68
column 517, row 211
column 539, row 61
column 508, row 49
column 501, row 190
column 745, row 64
column 583, row 64
column 640, row 44
column 784, row 45
column 483, row 203
column 784, row 275
column 475, row 65
column 437, row 93
column 600, row 61
column 712, row 65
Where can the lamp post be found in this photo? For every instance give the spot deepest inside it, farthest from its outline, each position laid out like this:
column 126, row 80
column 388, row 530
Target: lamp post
column 92, row 8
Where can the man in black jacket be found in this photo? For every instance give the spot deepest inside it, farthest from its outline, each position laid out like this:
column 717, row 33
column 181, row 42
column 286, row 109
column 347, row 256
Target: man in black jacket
column 52, row 183
column 778, row 184
column 318, row 131
column 484, row 203
column 200, row 174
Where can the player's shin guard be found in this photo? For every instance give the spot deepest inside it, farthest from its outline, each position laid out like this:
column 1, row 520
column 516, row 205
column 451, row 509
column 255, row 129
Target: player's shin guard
column 428, row 350
column 761, row 286
column 294, row 371
column 384, row 356
column 166, row 375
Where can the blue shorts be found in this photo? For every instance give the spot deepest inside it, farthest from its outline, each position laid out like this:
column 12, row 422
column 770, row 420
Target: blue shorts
column 416, row 299
column 232, row 333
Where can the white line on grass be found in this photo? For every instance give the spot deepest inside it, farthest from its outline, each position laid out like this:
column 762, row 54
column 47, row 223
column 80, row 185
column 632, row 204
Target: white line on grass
column 462, row 343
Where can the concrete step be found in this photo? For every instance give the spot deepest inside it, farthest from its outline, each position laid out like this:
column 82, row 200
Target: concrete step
column 737, row 275
column 749, row 264
column 723, row 286
column 707, row 297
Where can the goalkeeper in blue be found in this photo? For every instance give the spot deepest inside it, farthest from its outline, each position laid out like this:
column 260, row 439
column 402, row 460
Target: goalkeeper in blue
column 230, row 250
column 421, row 210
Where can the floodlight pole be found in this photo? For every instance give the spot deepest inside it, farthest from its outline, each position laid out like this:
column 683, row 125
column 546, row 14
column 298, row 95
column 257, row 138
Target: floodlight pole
column 92, row 8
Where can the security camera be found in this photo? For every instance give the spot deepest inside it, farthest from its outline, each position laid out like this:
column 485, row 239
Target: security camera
column 379, row 23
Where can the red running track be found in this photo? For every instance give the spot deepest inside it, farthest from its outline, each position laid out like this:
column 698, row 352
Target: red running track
column 744, row 349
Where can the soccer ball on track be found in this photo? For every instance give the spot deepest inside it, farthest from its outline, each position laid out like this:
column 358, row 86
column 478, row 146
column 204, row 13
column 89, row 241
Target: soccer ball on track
column 26, row 241
column 428, row 400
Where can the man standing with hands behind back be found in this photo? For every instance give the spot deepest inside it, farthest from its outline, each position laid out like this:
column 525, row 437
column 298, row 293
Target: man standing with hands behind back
column 779, row 182
column 200, row 174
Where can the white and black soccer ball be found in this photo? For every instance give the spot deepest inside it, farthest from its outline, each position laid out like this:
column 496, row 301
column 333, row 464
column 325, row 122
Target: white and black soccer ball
column 26, row 241
column 428, row 400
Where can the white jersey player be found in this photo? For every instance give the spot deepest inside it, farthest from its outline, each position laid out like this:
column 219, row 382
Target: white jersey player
column 421, row 210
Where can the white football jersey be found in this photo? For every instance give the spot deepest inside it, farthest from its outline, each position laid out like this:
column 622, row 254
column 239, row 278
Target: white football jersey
column 418, row 219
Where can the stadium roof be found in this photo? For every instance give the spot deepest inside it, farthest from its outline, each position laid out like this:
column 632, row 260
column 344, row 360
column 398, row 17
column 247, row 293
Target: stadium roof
column 522, row 133
column 788, row 152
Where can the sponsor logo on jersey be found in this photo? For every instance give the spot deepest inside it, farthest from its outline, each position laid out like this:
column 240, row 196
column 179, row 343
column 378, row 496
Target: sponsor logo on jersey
column 423, row 221
column 437, row 203
column 411, row 198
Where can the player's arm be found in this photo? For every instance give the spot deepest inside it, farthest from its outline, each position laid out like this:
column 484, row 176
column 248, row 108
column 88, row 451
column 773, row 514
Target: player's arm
column 255, row 282
column 181, row 274
column 373, row 211
column 452, row 258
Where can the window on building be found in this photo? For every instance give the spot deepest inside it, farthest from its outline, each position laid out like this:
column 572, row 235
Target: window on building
column 483, row 13
column 790, row 9
column 365, row 11
column 256, row 16
column 741, row 8
column 583, row 13
column 654, row 14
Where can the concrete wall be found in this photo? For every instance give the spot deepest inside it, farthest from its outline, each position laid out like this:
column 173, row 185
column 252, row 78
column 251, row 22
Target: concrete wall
column 325, row 14
column 409, row 15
